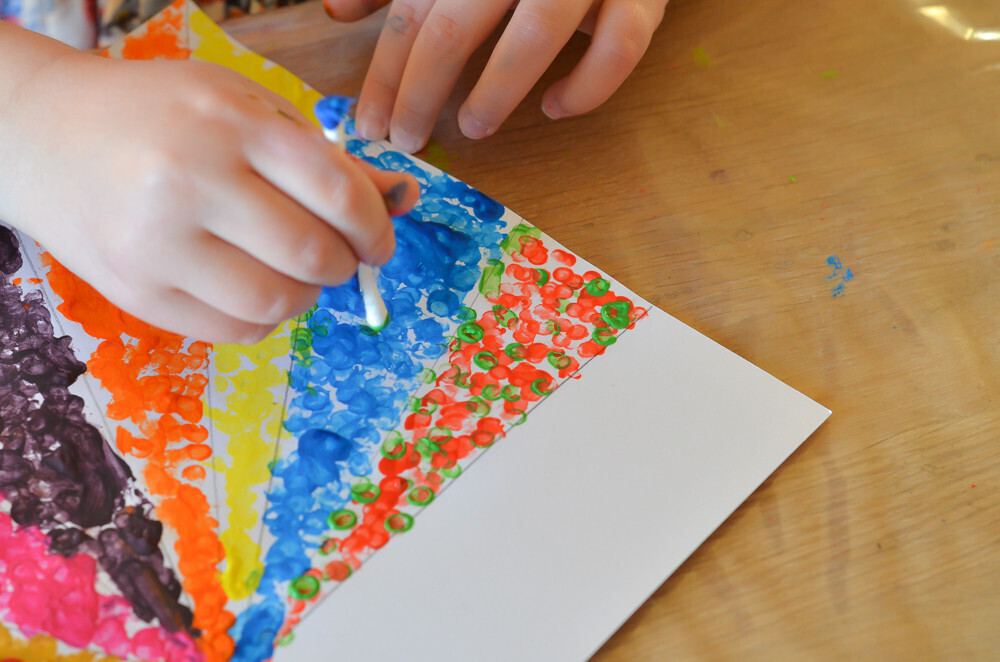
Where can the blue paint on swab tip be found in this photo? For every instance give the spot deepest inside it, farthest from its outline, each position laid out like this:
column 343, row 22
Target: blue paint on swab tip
column 332, row 113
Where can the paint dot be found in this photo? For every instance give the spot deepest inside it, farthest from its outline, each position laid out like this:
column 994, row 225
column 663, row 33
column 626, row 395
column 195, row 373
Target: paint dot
column 393, row 446
column 616, row 313
column 469, row 332
column 598, row 287
column 604, row 336
column 700, row 57
column 542, row 386
column 516, row 351
column 304, row 587
column 398, row 523
column 485, row 360
column 559, row 360
column 342, row 519
column 483, row 438
column 365, row 491
column 420, row 496
column 478, row 406
column 337, row 571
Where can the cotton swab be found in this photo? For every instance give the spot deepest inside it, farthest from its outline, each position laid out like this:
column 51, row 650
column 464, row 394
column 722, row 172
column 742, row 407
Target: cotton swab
column 331, row 112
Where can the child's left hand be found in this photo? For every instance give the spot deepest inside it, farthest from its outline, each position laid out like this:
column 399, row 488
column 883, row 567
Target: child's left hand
column 425, row 44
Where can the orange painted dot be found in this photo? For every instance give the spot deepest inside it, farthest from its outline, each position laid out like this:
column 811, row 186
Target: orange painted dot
column 194, row 472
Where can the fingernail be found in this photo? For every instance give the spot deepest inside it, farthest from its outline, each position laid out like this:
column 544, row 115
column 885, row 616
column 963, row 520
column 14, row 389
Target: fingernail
column 371, row 126
column 405, row 141
column 553, row 110
column 473, row 128
column 394, row 197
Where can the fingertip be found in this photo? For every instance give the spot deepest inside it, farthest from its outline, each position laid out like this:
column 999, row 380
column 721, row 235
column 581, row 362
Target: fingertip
column 553, row 110
column 473, row 127
column 371, row 126
column 351, row 10
column 405, row 141
column 402, row 196
column 552, row 105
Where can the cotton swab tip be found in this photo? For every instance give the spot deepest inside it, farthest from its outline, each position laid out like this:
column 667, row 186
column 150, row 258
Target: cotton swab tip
column 332, row 112
column 376, row 314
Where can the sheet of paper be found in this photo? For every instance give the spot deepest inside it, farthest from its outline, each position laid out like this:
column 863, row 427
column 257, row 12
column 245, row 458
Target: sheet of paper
column 211, row 502
column 556, row 536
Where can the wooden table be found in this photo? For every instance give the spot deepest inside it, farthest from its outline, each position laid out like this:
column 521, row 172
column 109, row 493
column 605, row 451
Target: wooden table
column 759, row 153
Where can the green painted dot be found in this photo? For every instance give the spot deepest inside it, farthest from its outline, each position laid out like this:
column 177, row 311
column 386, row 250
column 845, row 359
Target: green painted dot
column 466, row 314
column 604, row 336
column 463, row 379
column 598, row 287
column 541, row 386
column 304, row 587
column 302, row 339
column 439, row 434
column 453, row 471
column 427, row 448
column 287, row 639
column 428, row 376
column 492, row 392
column 543, row 277
column 559, row 360
column 328, row 546
column 365, row 491
column 485, row 360
column 469, row 332
column 393, row 446
column 510, row 393
column 342, row 519
column 616, row 313
column 398, row 523
column 504, row 316
column 478, row 406
column 420, row 496
column 516, row 351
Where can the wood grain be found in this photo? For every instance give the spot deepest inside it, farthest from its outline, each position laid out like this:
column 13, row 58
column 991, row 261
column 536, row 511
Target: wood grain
column 754, row 142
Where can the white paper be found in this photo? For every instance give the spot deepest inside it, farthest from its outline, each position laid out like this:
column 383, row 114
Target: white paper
column 565, row 528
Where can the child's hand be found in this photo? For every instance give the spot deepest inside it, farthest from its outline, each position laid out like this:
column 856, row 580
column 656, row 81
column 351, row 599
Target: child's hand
column 425, row 44
column 188, row 195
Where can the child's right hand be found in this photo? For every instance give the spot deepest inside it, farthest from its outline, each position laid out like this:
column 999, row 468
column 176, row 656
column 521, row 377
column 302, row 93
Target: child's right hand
column 186, row 194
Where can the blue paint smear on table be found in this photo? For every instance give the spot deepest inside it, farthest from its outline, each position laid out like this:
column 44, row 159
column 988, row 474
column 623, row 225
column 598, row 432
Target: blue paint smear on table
column 841, row 275
column 440, row 246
